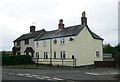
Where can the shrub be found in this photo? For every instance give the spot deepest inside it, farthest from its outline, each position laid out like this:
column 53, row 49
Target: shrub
column 16, row 60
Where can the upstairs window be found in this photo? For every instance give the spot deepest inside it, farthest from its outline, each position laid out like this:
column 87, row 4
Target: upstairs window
column 97, row 54
column 18, row 43
column 26, row 41
column 37, row 44
column 62, row 40
column 44, row 43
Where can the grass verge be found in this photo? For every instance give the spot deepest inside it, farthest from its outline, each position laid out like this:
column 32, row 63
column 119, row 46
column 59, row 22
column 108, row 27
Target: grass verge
column 33, row 66
column 117, row 76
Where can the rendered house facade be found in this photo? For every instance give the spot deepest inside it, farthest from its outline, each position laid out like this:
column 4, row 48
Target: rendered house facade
column 62, row 46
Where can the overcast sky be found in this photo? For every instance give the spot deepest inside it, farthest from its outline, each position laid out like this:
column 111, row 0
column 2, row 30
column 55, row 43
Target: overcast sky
column 16, row 16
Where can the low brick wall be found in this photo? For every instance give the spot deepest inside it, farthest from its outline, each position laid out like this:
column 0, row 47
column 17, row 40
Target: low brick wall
column 105, row 64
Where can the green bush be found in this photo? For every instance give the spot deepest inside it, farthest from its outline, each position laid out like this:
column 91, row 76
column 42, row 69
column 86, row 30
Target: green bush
column 16, row 60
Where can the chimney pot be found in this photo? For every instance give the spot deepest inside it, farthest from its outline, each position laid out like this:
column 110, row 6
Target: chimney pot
column 61, row 25
column 83, row 18
column 32, row 28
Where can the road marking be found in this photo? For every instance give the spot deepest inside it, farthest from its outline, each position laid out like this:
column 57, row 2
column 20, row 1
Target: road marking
column 29, row 76
column 57, row 79
column 92, row 73
column 46, row 77
column 100, row 73
column 50, row 79
column 35, row 75
column 39, row 78
column 20, row 74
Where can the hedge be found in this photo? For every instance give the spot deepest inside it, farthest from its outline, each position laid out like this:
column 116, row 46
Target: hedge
column 16, row 59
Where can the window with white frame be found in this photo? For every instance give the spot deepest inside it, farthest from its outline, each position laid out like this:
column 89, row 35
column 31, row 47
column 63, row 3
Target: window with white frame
column 62, row 54
column 97, row 54
column 44, row 43
column 45, row 55
column 62, row 40
column 26, row 41
column 18, row 43
column 37, row 44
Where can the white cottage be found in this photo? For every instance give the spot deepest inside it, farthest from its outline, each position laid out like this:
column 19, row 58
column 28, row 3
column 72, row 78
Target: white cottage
column 69, row 46
column 25, row 45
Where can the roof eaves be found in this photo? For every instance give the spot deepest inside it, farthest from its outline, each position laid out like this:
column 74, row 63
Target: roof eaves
column 98, row 37
column 56, row 37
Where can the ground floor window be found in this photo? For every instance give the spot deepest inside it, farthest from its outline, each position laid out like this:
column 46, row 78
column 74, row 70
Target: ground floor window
column 45, row 55
column 73, row 57
column 54, row 54
column 62, row 54
column 37, row 55
column 97, row 54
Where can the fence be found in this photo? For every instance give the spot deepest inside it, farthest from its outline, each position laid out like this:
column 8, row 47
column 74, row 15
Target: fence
column 105, row 64
column 56, row 61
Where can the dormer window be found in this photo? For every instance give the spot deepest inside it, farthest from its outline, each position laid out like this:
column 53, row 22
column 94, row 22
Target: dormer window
column 62, row 40
column 26, row 41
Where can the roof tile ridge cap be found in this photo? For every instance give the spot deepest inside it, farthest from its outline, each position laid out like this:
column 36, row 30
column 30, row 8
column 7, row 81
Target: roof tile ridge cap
column 72, row 26
column 40, row 30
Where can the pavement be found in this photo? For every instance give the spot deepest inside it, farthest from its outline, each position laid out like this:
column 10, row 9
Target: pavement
column 53, row 75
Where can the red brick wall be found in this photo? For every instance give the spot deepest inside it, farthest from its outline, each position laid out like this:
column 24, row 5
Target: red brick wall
column 105, row 64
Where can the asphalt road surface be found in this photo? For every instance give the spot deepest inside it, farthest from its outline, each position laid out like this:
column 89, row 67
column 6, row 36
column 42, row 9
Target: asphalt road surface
column 66, row 75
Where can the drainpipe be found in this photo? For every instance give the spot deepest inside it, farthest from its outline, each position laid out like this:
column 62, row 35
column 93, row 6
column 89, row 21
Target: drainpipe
column 51, row 51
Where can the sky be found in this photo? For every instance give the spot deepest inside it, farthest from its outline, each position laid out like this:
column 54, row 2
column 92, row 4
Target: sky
column 16, row 17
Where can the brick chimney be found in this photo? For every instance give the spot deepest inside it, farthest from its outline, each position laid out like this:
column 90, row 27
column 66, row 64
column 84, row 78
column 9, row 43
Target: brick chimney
column 32, row 28
column 60, row 25
column 83, row 18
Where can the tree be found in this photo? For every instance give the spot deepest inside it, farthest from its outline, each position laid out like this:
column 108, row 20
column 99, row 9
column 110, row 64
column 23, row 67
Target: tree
column 107, row 49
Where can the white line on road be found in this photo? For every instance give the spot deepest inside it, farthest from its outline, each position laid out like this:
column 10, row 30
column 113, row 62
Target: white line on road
column 29, row 76
column 39, row 78
column 21, row 74
column 92, row 73
column 35, row 75
column 57, row 79
column 100, row 73
column 46, row 77
column 50, row 79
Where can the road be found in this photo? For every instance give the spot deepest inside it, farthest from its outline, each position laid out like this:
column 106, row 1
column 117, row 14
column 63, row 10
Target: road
column 67, row 75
